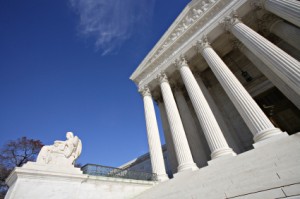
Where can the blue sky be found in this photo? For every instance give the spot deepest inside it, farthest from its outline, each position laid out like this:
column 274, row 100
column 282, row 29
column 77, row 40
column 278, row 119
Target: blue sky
column 65, row 66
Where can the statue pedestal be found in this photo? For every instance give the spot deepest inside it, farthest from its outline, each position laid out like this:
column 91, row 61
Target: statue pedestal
column 54, row 168
column 54, row 176
column 36, row 180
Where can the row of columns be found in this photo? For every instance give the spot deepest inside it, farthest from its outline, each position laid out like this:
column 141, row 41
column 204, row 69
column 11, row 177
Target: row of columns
column 190, row 128
column 285, row 67
column 156, row 156
column 211, row 129
column 286, row 9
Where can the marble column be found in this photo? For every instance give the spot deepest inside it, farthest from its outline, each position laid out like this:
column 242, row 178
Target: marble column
column 168, row 136
column 231, row 137
column 183, row 153
column 281, row 63
column 273, row 77
column 211, row 129
column 282, row 29
column 287, row 32
column 199, row 130
column 156, row 155
column 190, row 128
column 258, row 123
column 286, row 9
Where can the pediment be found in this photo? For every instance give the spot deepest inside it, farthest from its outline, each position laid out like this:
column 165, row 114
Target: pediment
column 194, row 15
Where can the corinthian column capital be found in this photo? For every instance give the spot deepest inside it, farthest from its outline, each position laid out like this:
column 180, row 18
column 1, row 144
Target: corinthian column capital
column 162, row 77
column 145, row 91
column 267, row 22
column 229, row 21
column 181, row 62
column 202, row 44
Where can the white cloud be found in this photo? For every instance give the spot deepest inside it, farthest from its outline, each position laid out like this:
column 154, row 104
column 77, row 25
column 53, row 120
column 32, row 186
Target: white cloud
column 111, row 22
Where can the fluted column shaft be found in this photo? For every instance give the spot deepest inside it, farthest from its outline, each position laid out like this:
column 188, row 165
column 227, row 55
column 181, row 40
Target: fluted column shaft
column 258, row 123
column 287, row 32
column 156, row 155
column 281, row 63
column 273, row 77
column 231, row 137
column 190, row 128
column 183, row 153
column 286, row 9
column 168, row 137
column 211, row 129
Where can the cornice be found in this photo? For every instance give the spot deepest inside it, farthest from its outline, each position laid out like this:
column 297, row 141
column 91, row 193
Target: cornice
column 161, row 40
column 149, row 69
column 185, row 23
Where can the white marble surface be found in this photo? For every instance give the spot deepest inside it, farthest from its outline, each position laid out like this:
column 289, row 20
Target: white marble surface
column 287, row 9
column 273, row 77
column 280, row 62
column 214, row 136
column 191, row 131
column 268, row 172
column 34, row 182
column 259, row 124
column 168, row 137
column 183, row 152
column 54, row 176
column 156, row 155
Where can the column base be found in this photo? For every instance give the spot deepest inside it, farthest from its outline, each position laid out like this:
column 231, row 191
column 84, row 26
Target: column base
column 266, row 134
column 222, row 152
column 187, row 166
column 41, row 167
column 221, row 160
column 162, row 177
column 270, row 139
column 183, row 173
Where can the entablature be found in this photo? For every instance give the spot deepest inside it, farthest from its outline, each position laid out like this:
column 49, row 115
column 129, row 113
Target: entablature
column 208, row 24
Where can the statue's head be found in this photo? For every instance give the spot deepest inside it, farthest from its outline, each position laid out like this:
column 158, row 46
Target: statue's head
column 69, row 135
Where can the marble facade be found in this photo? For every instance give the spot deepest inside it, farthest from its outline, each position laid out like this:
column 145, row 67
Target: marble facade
column 226, row 79
column 212, row 75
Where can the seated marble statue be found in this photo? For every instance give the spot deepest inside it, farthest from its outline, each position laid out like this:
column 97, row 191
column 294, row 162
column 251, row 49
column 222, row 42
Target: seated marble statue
column 61, row 152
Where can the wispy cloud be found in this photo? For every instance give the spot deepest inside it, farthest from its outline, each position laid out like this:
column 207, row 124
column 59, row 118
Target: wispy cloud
column 111, row 22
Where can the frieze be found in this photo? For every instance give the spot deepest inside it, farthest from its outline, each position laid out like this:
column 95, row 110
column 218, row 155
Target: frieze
column 193, row 15
column 197, row 16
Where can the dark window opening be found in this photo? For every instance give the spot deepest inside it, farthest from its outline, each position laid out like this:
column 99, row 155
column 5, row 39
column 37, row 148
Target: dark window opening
column 280, row 110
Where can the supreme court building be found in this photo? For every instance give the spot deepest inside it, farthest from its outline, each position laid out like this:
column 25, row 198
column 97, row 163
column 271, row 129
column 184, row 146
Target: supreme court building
column 226, row 79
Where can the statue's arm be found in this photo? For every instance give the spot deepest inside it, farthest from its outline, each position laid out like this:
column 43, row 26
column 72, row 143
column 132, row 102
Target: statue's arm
column 58, row 142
